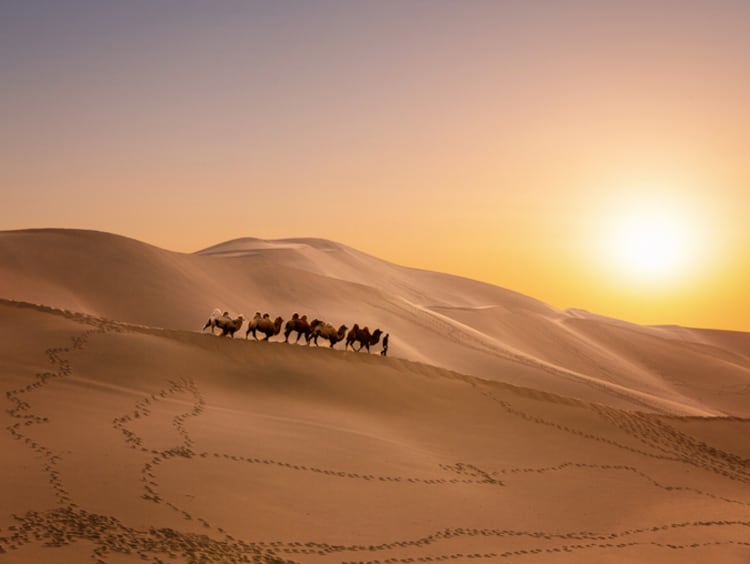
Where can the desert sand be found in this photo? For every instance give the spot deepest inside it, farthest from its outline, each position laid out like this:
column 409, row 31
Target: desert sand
column 498, row 428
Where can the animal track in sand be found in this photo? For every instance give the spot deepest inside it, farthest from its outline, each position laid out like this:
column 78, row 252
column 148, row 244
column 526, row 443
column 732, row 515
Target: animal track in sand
column 655, row 433
column 467, row 473
column 22, row 411
column 596, row 540
column 650, row 431
column 65, row 525
column 619, row 468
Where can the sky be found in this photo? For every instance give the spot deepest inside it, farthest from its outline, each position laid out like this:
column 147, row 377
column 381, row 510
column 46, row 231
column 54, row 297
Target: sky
column 590, row 154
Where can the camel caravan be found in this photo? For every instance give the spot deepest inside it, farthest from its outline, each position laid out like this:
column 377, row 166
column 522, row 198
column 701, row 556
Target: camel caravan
column 310, row 330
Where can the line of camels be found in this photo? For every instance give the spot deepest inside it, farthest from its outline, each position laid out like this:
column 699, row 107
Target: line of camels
column 310, row 330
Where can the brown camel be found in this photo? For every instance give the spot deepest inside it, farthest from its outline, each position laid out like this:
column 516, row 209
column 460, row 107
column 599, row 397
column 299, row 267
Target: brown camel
column 253, row 323
column 301, row 326
column 262, row 323
column 328, row 331
column 230, row 326
column 363, row 337
column 268, row 327
column 213, row 319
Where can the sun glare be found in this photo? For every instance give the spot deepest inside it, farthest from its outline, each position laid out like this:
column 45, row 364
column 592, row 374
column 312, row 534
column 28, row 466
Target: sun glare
column 651, row 244
column 651, row 240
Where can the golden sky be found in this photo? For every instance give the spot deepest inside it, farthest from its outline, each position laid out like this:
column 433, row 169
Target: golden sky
column 527, row 144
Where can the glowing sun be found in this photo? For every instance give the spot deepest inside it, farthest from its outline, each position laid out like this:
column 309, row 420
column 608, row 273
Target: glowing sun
column 651, row 242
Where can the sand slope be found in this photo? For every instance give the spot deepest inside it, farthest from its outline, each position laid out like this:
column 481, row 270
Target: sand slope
column 439, row 319
column 129, row 443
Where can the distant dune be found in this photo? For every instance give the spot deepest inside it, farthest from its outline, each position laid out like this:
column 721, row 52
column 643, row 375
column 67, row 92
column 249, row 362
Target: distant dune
column 497, row 429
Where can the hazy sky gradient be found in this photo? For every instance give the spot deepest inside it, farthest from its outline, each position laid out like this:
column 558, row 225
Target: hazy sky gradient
column 495, row 140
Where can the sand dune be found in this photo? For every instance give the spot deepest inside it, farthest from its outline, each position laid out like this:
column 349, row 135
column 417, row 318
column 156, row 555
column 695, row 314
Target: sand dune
column 126, row 443
column 439, row 319
column 499, row 429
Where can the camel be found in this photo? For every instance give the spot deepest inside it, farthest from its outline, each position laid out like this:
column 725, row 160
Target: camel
column 301, row 326
column 328, row 331
column 363, row 337
column 213, row 320
column 266, row 326
column 253, row 323
column 230, row 326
